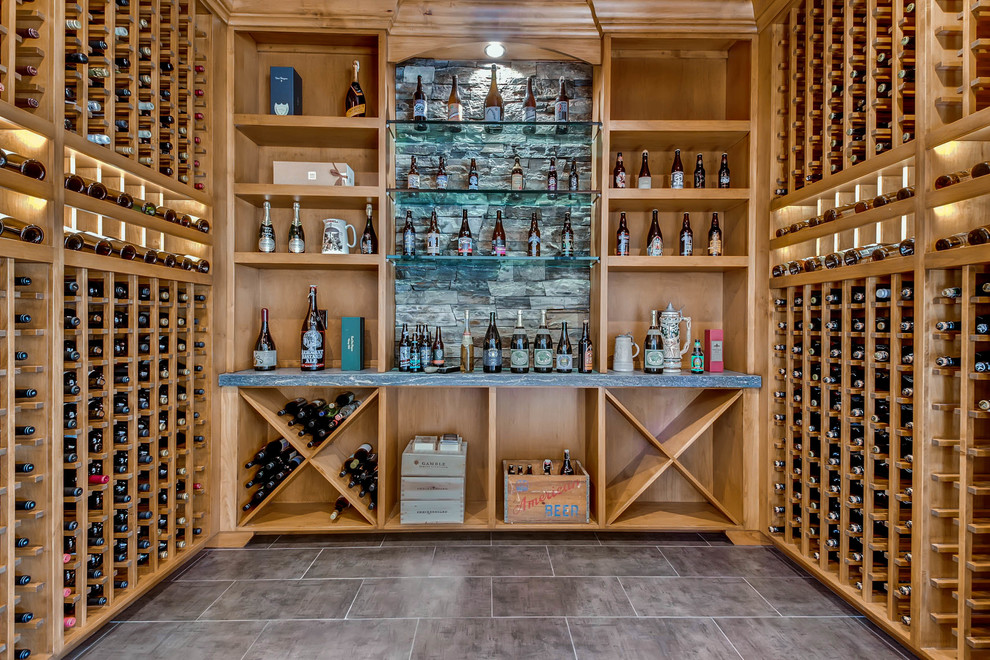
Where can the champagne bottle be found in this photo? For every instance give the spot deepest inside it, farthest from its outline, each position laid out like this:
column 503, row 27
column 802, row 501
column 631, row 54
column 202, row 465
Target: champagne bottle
column 687, row 237
column 409, row 236
column 723, row 172
column 677, row 171
column 369, row 239
column 494, row 110
column 455, row 111
column 516, row 178
column 653, row 348
column 622, row 237
column 529, row 103
column 699, row 172
column 498, row 236
column 533, row 241
column 519, row 346
column 567, row 237
column 264, row 348
column 654, row 240
column 467, row 346
column 619, row 172
column 492, row 362
column 565, row 360
column 297, row 238
column 645, row 180
column 354, row 104
column 715, row 238
column 313, row 337
column 464, row 239
column 543, row 347
column 419, row 101
column 586, row 353
column 266, row 233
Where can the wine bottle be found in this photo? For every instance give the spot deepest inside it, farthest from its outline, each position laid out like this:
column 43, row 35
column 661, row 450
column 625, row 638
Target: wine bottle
column 567, row 237
column 266, row 233
column 543, row 359
column 645, row 180
column 492, row 356
column 264, row 348
column 564, row 358
column 533, row 240
column 464, row 239
column 498, row 236
column 297, row 238
column 341, row 505
column 715, row 238
column 654, row 240
column 677, row 171
column 369, row 239
column 619, row 172
column 586, row 354
column 313, row 337
column 519, row 348
column 494, row 110
column 354, row 104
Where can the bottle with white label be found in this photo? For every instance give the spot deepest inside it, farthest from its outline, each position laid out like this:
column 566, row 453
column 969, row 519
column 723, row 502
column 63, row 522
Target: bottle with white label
column 494, row 109
column 408, row 237
column 654, row 240
column 297, row 238
column 519, row 347
column 561, row 105
column 467, row 346
column 442, row 175
column 516, row 180
column 464, row 239
column 644, row 180
column 454, row 108
column 492, row 357
column 653, row 348
column 529, row 104
column 433, row 237
column 264, row 349
column 565, row 360
column 412, row 180
column 473, row 180
column 419, row 101
column 687, row 237
column 677, row 171
column 543, row 347
column 266, row 233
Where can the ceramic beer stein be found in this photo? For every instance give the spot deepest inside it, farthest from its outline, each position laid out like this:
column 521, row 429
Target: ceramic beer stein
column 335, row 236
column 670, row 332
column 623, row 357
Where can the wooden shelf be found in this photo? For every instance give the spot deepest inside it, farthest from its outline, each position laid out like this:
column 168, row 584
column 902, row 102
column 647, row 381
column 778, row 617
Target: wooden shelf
column 687, row 135
column 675, row 264
column 664, row 516
column 309, row 131
column 960, row 192
column 856, row 271
column 136, row 218
column 337, row 197
column 26, row 185
column 686, row 200
column 289, row 517
column 874, row 215
column 308, row 261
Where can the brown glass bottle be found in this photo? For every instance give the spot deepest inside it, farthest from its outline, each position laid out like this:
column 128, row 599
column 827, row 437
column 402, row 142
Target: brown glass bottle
column 313, row 337
column 567, row 237
column 419, row 101
column 498, row 236
column 622, row 237
column 533, row 240
column 619, row 172
column 654, row 239
column 529, row 103
column 715, row 238
column 494, row 109
column 686, row 238
column 464, row 239
column 264, row 348
column 677, row 171
column 455, row 111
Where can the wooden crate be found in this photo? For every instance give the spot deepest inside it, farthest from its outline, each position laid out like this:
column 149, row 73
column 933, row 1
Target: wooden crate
column 546, row 498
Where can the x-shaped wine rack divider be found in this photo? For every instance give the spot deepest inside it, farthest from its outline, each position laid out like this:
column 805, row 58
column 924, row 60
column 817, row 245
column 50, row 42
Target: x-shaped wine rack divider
column 680, row 433
column 325, row 458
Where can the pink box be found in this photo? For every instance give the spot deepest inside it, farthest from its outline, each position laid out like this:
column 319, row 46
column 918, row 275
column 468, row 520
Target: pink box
column 713, row 350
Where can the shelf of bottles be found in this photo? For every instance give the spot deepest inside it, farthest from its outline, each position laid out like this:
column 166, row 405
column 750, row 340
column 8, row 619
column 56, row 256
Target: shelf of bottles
column 842, row 434
column 136, row 82
column 844, row 86
column 25, row 80
column 25, row 402
column 134, row 442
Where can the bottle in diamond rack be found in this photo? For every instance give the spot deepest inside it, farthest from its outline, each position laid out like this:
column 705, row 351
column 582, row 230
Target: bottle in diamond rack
column 494, row 110
column 561, row 105
column 419, row 101
column 567, row 237
column 715, row 238
column 699, row 172
column 433, row 236
column 653, row 348
column 473, row 176
column 354, row 105
column 622, row 237
column 697, row 358
column 586, row 351
column 264, row 348
column 408, row 237
column 455, row 111
column 266, row 233
column 369, row 239
column 687, row 237
column 565, row 361
column 619, row 172
column 498, row 236
column 464, row 246
column 467, row 346
column 516, row 178
column 313, row 344
column 723, row 172
column 297, row 238
column 492, row 360
column 412, row 179
column 533, row 240
column 529, row 103
column 654, row 240
column 677, row 171
column 437, row 354
column 645, row 180
column 519, row 348
column 573, row 178
column 405, row 348
column 552, row 175
column 442, row 178
column 543, row 347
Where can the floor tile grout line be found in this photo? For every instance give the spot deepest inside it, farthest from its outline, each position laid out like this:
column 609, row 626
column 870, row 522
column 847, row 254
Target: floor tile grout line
column 553, row 571
column 715, row 621
column 215, row 600
column 626, row 594
column 256, row 638
column 83, row 649
column 353, row 600
column 758, row 593
column 491, row 592
column 669, row 563
column 571, row 637
column 308, row 568
column 412, row 646
column 866, row 623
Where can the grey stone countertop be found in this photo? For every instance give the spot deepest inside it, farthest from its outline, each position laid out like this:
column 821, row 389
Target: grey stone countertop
column 369, row 378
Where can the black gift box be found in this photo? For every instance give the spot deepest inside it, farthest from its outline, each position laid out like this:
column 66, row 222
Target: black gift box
column 286, row 91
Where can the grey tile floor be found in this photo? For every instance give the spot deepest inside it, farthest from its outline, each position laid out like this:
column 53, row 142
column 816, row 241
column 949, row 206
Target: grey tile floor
column 502, row 595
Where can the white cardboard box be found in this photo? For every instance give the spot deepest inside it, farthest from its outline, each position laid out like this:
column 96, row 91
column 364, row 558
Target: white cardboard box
column 432, row 488
column 303, row 173
column 436, row 511
column 434, row 464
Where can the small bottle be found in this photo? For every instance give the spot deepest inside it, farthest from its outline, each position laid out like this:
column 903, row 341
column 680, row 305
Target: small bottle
column 405, row 349
column 622, row 237
column 516, row 178
column 409, row 236
column 586, row 351
column 715, row 238
column 654, row 240
column 437, row 354
column 619, row 173
column 297, row 238
column 687, row 237
column 433, row 236
column 645, row 180
column 467, row 346
column 565, row 361
column 442, row 178
column 498, row 236
column 419, row 101
column 412, row 179
column 552, row 175
column 699, row 172
column 473, row 176
column 573, row 178
column 677, row 171
column 519, row 348
column 369, row 239
column 533, row 240
column 543, row 347
column 567, row 237
column 567, row 468
column 723, row 172
column 561, row 104
column 697, row 358
column 266, row 233
column 464, row 241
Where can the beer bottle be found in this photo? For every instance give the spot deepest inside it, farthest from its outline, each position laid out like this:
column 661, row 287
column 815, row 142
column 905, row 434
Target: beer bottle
column 473, row 176
column 543, row 347
column 645, row 180
column 432, row 236
column 567, row 468
column 408, row 236
column 412, row 179
column 699, row 173
column 586, row 351
column 687, row 237
column 715, row 238
column 677, row 171
column 498, row 237
column 467, row 346
column 414, row 352
column 533, row 241
column 437, row 357
column 493, row 102
column 552, row 175
column 561, row 104
column 419, row 101
column 369, row 239
column 517, row 176
column 564, row 358
column 455, row 111
column 529, row 104
column 697, row 358
column 653, row 348
column 404, row 348
column 266, row 233
column 519, row 348
column 567, row 237
column 297, row 238
column 264, row 348
column 654, row 240
column 492, row 362
column 313, row 337
column 619, row 173
column 442, row 175
column 723, row 172
column 573, row 179
column 464, row 247
column 622, row 237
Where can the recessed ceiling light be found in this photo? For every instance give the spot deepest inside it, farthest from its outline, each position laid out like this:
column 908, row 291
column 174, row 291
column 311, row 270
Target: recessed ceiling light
column 495, row 50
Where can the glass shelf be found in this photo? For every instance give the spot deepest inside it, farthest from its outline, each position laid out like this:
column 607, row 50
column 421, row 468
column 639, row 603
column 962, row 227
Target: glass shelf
column 492, row 261
column 450, row 197
column 433, row 131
